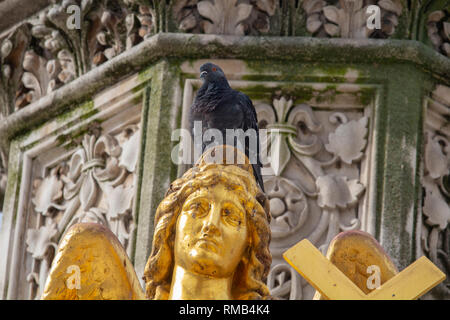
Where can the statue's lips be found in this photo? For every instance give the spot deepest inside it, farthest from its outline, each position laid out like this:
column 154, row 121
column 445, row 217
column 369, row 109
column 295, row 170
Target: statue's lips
column 208, row 243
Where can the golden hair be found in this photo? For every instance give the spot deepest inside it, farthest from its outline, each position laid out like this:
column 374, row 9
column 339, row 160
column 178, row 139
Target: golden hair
column 251, row 273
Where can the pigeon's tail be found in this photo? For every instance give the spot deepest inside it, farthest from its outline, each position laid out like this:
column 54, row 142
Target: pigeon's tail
column 258, row 176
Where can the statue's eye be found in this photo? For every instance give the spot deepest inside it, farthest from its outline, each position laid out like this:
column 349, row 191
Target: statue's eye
column 232, row 216
column 198, row 209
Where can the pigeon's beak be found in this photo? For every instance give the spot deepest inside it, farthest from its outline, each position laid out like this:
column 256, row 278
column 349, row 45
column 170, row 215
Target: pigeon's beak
column 203, row 74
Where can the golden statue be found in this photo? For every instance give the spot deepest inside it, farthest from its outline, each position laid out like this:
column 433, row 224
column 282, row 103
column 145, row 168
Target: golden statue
column 91, row 264
column 353, row 252
column 211, row 241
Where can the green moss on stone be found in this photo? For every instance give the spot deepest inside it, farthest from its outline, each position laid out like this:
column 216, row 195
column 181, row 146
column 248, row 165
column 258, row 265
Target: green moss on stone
column 85, row 110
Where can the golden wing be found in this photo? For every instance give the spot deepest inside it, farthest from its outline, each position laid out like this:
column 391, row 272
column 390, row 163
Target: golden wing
column 91, row 264
column 353, row 252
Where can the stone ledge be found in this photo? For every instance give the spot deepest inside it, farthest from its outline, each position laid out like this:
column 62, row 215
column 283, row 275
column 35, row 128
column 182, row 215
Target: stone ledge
column 194, row 46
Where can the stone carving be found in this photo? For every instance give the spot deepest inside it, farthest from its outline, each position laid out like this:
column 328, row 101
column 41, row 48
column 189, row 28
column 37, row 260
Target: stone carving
column 48, row 195
column 95, row 185
column 349, row 140
column 438, row 28
column 102, row 33
column 435, row 232
column 288, row 207
column 224, row 16
column 13, row 48
column 43, row 54
column 284, row 282
column 40, row 77
column 139, row 25
column 315, row 186
column 348, row 19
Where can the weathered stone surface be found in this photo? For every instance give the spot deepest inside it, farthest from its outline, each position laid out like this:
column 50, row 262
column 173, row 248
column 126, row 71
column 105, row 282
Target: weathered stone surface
column 348, row 18
column 203, row 46
column 78, row 167
column 14, row 11
column 434, row 230
column 438, row 30
column 51, row 54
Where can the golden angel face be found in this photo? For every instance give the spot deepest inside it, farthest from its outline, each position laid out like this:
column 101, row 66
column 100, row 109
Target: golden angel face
column 211, row 233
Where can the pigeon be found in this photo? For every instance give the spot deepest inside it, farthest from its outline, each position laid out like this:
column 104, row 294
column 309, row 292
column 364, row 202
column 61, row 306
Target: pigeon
column 218, row 106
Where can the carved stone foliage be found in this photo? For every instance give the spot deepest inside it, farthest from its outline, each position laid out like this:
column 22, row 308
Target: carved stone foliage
column 3, row 176
column 96, row 183
column 313, row 178
column 105, row 26
column 250, row 17
column 435, row 232
column 13, row 48
column 438, row 28
column 47, row 52
column 348, row 18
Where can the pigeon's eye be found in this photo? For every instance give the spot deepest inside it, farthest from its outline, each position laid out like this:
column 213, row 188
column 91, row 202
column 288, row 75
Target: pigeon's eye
column 214, row 69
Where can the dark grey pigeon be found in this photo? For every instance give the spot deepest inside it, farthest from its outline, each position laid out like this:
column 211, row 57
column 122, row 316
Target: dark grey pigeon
column 220, row 107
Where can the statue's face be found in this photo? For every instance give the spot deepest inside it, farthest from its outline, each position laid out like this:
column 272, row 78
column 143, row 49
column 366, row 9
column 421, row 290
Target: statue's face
column 211, row 232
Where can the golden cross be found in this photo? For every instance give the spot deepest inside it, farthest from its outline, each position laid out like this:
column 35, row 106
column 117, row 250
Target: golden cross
column 324, row 276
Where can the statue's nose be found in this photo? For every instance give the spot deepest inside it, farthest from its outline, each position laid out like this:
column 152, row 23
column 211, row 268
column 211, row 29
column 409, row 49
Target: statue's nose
column 211, row 224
